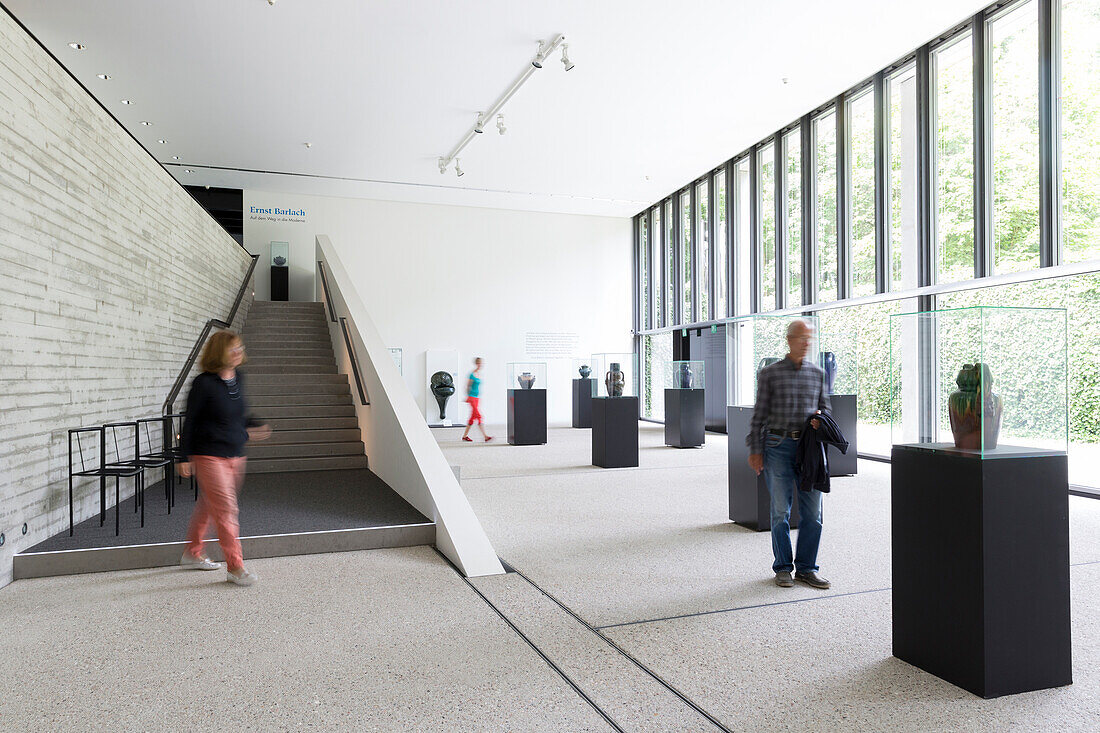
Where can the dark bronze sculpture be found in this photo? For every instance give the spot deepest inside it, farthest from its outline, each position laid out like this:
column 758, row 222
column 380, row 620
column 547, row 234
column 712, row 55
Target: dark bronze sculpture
column 526, row 380
column 974, row 410
column 585, row 370
column 443, row 386
column 615, row 380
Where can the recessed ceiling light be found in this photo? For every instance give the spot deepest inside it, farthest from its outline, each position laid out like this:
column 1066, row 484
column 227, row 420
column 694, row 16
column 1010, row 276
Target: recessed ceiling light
column 147, row 123
column 188, row 170
column 308, row 145
column 126, row 101
column 104, row 77
column 162, row 142
column 77, row 46
column 175, row 157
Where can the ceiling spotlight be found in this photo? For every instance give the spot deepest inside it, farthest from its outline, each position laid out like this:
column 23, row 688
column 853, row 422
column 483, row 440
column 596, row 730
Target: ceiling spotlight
column 308, row 145
column 188, row 170
column 479, row 126
column 175, row 157
column 162, row 142
column 126, row 101
column 500, row 125
column 458, row 169
column 540, row 56
column 271, row 2
column 77, row 46
column 442, row 166
column 565, row 57
column 104, row 77
column 146, row 123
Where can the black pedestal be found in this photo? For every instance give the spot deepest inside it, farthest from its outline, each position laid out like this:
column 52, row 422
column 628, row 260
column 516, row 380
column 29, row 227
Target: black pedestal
column 750, row 503
column 981, row 567
column 280, row 282
column 615, row 432
column 526, row 416
column 685, row 417
column 844, row 412
column 583, row 389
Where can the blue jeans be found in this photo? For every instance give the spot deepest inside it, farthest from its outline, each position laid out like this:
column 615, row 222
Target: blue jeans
column 779, row 473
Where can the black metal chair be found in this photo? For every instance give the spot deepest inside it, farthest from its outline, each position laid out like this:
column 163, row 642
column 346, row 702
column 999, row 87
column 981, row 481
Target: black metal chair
column 103, row 471
column 167, row 455
column 173, row 447
column 138, row 461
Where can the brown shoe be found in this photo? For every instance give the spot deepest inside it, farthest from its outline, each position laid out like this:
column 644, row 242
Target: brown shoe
column 813, row 580
column 783, row 579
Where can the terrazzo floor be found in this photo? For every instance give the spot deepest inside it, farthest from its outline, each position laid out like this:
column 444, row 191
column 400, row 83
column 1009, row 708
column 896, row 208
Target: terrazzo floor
column 637, row 606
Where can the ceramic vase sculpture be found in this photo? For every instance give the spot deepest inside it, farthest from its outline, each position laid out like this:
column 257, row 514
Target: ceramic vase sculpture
column 443, row 386
column 585, row 371
column 280, row 261
column 526, row 380
column 974, row 410
column 686, row 376
column 615, row 380
column 766, row 361
column 827, row 362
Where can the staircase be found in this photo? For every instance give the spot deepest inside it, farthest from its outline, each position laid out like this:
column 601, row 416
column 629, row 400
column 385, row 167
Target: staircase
column 291, row 382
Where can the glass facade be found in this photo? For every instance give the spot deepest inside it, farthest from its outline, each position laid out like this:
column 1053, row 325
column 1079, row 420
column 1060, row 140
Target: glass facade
column 1080, row 118
column 721, row 275
column 824, row 129
column 953, row 68
column 861, row 183
column 702, row 227
column 742, row 236
column 765, row 163
column 687, row 314
column 792, row 153
column 902, row 156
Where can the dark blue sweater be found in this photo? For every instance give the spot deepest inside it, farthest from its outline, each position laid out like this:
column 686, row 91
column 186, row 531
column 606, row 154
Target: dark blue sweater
column 215, row 424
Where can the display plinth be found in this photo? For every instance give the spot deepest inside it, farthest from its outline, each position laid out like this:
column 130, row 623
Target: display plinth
column 526, row 416
column 583, row 389
column 750, row 502
column 685, row 418
column 844, row 413
column 615, row 432
column 280, row 283
column 981, row 566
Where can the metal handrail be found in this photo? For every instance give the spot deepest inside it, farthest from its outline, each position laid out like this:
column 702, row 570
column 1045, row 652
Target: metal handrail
column 166, row 409
column 363, row 398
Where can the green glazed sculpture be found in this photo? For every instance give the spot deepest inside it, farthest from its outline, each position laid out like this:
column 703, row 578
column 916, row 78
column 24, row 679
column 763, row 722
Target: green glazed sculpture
column 974, row 410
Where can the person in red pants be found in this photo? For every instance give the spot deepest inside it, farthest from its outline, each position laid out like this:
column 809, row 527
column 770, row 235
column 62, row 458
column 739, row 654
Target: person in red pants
column 216, row 427
column 473, row 391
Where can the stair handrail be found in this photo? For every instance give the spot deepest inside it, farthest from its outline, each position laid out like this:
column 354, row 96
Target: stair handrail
column 166, row 409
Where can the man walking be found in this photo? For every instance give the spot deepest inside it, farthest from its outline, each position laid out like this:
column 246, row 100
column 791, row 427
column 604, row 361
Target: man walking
column 787, row 393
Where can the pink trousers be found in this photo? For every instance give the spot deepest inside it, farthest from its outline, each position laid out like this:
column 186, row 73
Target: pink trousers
column 220, row 481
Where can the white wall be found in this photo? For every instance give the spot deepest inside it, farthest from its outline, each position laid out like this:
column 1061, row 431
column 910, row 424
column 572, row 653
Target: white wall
column 472, row 279
column 108, row 270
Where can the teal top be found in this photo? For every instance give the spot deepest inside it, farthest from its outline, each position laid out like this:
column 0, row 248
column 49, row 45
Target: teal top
column 475, row 384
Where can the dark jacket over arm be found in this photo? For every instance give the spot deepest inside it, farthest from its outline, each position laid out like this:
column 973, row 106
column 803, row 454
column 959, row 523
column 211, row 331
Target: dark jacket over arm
column 811, row 456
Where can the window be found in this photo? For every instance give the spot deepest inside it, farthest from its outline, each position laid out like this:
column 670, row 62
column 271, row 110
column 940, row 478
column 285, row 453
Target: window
column 686, row 315
column 792, row 148
column 1080, row 130
column 655, row 268
column 861, row 172
column 719, row 244
column 742, row 198
column 902, row 200
column 670, row 267
column 702, row 261
column 825, row 224
column 656, row 352
column 766, row 162
column 643, row 271
column 1014, row 55
column 953, row 67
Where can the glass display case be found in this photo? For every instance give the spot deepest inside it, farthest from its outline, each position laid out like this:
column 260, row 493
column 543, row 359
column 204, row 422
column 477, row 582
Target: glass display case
column 990, row 381
column 280, row 254
column 583, row 369
column 398, row 359
column 616, row 375
column 838, row 356
column 526, row 375
column 753, row 342
column 683, row 375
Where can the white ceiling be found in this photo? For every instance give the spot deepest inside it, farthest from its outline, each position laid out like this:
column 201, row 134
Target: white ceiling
column 661, row 91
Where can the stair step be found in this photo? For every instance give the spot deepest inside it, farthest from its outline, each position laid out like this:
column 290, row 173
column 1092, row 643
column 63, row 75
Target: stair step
column 288, row 304
column 280, row 384
column 315, row 399
column 256, row 370
column 306, row 450
column 272, row 412
column 323, row 463
column 273, row 332
column 313, row 320
column 288, row 360
column 338, row 435
column 312, row 423
column 255, row 352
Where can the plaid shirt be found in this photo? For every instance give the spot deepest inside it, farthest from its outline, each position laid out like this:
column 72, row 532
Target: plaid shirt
column 785, row 396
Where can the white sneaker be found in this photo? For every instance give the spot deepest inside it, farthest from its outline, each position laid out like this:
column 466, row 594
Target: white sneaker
column 199, row 563
column 242, row 578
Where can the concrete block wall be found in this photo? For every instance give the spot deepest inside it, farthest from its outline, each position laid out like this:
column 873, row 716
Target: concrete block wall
column 108, row 270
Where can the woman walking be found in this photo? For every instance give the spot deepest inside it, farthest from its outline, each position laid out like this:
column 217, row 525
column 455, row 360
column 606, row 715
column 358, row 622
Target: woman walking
column 215, row 428
column 473, row 390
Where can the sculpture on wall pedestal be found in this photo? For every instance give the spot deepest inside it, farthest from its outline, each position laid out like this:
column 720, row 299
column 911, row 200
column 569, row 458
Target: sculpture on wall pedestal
column 585, row 371
column 526, row 380
column 686, row 376
column 615, row 380
column 443, row 386
column 974, row 410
